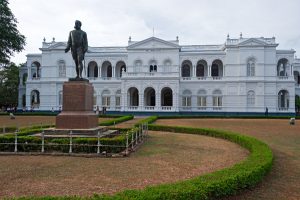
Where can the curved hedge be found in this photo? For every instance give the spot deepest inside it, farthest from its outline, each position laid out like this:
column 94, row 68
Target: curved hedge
column 217, row 184
column 116, row 120
column 148, row 120
column 213, row 185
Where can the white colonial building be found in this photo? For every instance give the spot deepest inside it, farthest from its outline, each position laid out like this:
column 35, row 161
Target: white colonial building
column 244, row 75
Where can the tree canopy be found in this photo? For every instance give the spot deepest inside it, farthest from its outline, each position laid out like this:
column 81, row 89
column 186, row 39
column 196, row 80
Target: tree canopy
column 9, row 82
column 11, row 40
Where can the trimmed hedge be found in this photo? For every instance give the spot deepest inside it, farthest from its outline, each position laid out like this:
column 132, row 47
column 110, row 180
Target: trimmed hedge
column 217, row 184
column 225, row 116
column 116, row 121
column 148, row 120
column 221, row 183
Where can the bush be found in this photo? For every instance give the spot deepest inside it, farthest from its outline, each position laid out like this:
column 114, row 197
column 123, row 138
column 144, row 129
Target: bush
column 116, row 121
column 148, row 120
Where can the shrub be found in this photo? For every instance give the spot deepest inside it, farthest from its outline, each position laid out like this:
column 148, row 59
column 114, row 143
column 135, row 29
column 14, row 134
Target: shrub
column 116, row 121
column 148, row 120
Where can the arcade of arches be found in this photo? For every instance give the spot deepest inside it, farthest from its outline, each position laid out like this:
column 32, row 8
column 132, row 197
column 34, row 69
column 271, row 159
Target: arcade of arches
column 150, row 96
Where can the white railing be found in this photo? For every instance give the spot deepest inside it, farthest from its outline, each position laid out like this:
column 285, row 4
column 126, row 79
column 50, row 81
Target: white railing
column 283, row 109
column 133, row 107
column 149, row 107
column 166, row 108
column 283, row 77
column 217, row 77
column 201, row 77
column 150, row 74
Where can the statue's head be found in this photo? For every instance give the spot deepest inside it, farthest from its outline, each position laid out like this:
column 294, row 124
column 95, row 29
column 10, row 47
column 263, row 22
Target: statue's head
column 77, row 25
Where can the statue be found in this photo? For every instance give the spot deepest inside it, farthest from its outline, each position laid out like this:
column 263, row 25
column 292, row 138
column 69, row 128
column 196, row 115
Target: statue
column 78, row 44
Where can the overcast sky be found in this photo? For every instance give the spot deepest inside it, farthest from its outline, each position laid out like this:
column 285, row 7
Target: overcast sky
column 111, row 22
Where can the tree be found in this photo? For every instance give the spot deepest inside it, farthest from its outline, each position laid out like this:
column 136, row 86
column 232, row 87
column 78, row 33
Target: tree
column 10, row 38
column 9, row 83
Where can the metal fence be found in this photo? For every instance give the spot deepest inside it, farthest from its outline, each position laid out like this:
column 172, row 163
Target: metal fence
column 132, row 140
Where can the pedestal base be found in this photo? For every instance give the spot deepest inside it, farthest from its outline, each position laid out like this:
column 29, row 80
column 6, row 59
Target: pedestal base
column 76, row 120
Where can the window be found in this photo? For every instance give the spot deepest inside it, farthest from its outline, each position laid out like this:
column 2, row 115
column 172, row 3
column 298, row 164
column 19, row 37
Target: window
column 61, row 68
column 251, row 67
column 283, row 67
column 106, row 101
column 118, row 101
column 118, row 98
column 250, row 98
column 106, row 98
column 186, row 101
column 201, row 99
column 283, row 100
column 186, row 98
column 217, row 98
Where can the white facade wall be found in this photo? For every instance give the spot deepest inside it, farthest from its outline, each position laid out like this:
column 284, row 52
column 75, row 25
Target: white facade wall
column 236, row 88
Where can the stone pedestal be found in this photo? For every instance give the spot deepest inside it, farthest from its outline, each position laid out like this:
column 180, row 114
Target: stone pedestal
column 77, row 112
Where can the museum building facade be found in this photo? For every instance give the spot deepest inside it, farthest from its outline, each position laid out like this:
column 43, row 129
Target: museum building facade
column 243, row 75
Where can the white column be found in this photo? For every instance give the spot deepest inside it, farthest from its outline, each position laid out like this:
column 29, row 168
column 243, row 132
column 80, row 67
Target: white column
column 113, row 71
column 29, row 73
column 157, row 100
column 209, row 70
column 141, row 100
column 194, row 70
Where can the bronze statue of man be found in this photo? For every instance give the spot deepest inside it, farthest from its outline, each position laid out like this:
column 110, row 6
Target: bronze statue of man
column 78, row 44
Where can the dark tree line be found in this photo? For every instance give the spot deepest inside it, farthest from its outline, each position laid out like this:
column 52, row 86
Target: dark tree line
column 11, row 40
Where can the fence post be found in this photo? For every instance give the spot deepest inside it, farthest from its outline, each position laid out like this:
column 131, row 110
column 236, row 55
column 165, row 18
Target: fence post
column 126, row 144
column 3, row 129
column 136, row 136
column 98, row 144
column 132, row 140
column 43, row 141
column 16, row 141
column 70, row 149
column 140, row 132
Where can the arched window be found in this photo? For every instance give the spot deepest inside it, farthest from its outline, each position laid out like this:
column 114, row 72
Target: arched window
column 36, row 70
column 201, row 69
column 118, row 99
column 133, row 97
column 187, row 98
column 217, row 68
column 251, row 67
column 92, row 71
column 250, row 98
column 283, row 100
column 297, row 77
column 106, row 70
column 166, row 97
column 149, row 97
column 120, row 68
column 201, row 99
column 35, row 98
column 186, row 68
column 217, row 99
column 283, row 67
column 106, row 98
column 153, row 66
column 61, row 68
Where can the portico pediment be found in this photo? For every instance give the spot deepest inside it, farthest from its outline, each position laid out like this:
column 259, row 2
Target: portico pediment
column 153, row 43
column 58, row 45
column 252, row 42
